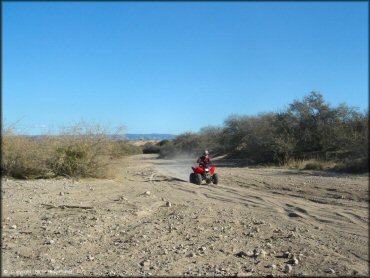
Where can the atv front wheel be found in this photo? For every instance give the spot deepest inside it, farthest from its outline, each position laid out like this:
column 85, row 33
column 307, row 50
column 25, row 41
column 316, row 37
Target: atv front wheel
column 192, row 178
column 215, row 178
column 198, row 179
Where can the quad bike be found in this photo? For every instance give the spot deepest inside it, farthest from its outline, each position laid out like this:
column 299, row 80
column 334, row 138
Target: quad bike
column 204, row 173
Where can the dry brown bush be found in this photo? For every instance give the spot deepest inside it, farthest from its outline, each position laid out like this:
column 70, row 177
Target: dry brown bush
column 310, row 164
column 83, row 150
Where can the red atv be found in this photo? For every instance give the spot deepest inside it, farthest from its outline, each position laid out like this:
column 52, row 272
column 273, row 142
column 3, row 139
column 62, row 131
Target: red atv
column 204, row 173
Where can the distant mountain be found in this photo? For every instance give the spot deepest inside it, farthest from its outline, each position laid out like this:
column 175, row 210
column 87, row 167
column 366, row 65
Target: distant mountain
column 129, row 136
column 151, row 136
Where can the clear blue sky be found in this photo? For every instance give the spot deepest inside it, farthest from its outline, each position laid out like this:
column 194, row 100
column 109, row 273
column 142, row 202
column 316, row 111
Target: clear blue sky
column 175, row 67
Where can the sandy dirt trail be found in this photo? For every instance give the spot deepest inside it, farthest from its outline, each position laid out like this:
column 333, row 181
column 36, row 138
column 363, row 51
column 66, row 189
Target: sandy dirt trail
column 151, row 221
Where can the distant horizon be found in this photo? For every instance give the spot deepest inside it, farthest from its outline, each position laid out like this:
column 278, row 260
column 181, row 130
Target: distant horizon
column 176, row 67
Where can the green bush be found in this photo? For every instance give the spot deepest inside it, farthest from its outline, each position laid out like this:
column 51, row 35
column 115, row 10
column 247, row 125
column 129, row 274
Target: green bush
column 309, row 129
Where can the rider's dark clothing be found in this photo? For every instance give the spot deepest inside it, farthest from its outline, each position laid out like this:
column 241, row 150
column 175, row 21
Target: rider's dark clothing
column 203, row 160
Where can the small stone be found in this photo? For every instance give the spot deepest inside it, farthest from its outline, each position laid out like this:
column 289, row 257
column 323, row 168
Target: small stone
column 273, row 266
column 262, row 254
column 61, row 193
column 330, row 270
column 145, row 264
column 168, row 204
column 147, row 193
column 291, row 235
column 241, row 254
column 50, row 241
column 192, row 255
column 90, row 258
column 288, row 268
column 269, row 245
column 294, row 261
column 202, row 248
column 13, row 227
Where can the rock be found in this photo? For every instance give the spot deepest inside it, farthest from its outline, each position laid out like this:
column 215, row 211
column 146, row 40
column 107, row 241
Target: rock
column 61, row 193
column 202, row 248
column 50, row 241
column 168, row 204
column 288, row 268
column 192, row 255
column 145, row 264
column 257, row 252
column 241, row 254
column 147, row 193
column 286, row 254
column 256, row 229
column 294, row 261
column 291, row 235
column 90, row 258
column 262, row 254
column 273, row 266
column 330, row 270
column 269, row 245
column 293, row 214
column 250, row 253
column 13, row 227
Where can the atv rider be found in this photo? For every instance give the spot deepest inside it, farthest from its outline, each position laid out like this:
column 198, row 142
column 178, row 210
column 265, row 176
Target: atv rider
column 204, row 160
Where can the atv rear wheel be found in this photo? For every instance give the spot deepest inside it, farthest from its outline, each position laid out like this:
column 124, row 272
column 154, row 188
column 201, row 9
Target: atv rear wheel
column 192, row 178
column 198, row 179
column 215, row 178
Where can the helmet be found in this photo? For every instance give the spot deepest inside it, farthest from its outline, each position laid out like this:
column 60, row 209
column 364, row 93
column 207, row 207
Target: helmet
column 206, row 152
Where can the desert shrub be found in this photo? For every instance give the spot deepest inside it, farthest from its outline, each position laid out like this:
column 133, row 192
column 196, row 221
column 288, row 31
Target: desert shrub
column 359, row 165
column 315, row 165
column 123, row 148
column 151, row 148
column 24, row 157
column 83, row 150
column 309, row 164
column 168, row 150
column 184, row 144
column 163, row 142
column 308, row 130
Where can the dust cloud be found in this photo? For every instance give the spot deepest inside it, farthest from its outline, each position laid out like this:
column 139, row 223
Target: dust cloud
column 178, row 167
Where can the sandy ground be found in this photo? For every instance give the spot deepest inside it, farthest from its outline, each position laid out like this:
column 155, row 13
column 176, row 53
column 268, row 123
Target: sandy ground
column 151, row 221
